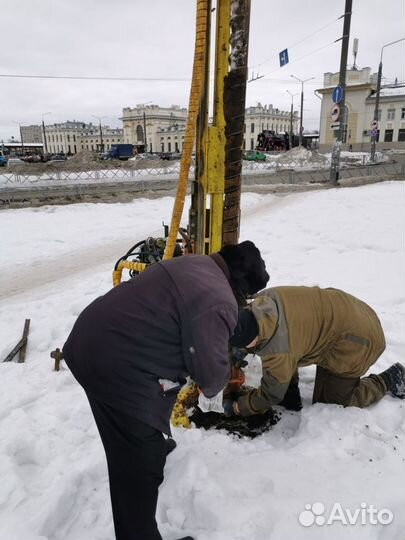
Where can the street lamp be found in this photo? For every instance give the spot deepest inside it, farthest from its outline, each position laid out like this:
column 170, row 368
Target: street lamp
column 43, row 132
column 377, row 99
column 99, row 118
column 302, row 104
column 291, row 117
column 145, row 140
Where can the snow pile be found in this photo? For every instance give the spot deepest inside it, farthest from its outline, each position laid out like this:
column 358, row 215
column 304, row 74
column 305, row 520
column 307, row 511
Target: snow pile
column 359, row 158
column 54, row 482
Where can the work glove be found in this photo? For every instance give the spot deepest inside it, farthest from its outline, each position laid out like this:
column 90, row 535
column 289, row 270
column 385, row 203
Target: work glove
column 228, row 405
column 238, row 357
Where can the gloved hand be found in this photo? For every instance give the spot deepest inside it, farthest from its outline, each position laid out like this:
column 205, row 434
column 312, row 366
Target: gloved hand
column 229, row 407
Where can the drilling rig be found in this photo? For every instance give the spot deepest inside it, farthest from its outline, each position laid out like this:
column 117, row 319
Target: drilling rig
column 214, row 214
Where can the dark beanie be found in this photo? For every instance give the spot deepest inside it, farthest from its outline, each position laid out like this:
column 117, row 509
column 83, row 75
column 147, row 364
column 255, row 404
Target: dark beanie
column 246, row 330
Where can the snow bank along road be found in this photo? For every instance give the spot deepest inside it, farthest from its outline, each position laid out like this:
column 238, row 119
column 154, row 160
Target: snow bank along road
column 52, row 467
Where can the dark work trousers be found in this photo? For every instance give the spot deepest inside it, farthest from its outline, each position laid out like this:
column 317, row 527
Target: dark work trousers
column 350, row 392
column 136, row 456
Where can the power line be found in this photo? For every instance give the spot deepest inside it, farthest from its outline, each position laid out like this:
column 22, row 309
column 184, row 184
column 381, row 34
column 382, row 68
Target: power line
column 92, row 78
column 298, row 42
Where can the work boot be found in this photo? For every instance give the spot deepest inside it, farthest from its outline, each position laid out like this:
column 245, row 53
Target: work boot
column 394, row 378
column 292, row 399
column 170, row 446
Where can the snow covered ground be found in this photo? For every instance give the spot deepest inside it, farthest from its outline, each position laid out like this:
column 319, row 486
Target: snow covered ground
column 55, row 260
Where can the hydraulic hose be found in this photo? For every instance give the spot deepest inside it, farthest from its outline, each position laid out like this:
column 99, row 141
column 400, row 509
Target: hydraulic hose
column 203, row 13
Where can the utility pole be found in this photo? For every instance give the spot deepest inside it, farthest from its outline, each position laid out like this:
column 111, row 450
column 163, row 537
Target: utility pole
column 341, row 134
column 44, row 133
column 291, row 117
column 101, row 137
column 22, row 140
column 99, row 118
column 374, row 137
column 144, row 133
column 302, row 105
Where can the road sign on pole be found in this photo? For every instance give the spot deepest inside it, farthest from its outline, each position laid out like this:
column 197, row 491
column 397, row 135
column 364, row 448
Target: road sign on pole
column 283, row 57
column 374, row 124
column 335, row 125
column 337, row 94
column 335, row 112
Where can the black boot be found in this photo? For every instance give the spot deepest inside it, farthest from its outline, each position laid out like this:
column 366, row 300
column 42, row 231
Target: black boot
column 292, row 399
column 394, row 378
column 170, row 446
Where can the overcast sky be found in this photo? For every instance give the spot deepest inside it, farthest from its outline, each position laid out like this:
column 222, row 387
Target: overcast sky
column 134, row 38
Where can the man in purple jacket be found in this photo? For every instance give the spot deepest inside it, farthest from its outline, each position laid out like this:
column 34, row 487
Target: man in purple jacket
column 131, row 351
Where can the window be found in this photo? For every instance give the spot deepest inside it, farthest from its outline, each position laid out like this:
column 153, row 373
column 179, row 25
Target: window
column 68, row 138
column 252, row 128
column 391, row 115
column 388, row 135
column 176, row 146
column 401, row 135
column 139, row 134
column 162, row 146
column 169, row 146
column 74, row 138
column 403, row 113
column 252, row 144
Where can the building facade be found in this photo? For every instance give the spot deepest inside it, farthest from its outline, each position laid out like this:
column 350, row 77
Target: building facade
column 31, row 134
column 165, row 127
column 267, row 117
column 100, row 142
column 361, row 85
column 152, row 128
column 72, row 137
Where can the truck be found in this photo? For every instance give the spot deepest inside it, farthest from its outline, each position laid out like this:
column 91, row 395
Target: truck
column 121, row 151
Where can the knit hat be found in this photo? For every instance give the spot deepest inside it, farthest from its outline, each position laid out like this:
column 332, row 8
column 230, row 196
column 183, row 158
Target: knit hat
column 246, row 330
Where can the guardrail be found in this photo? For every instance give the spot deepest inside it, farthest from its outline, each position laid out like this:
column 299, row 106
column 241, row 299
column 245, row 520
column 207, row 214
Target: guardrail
column 79, row 184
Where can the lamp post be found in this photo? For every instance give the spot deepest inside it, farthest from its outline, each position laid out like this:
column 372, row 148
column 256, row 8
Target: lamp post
column 302, row 104
column 44, row 133
column 145, row 140
column 99, row 118
column 291, row 117
column 377, row 99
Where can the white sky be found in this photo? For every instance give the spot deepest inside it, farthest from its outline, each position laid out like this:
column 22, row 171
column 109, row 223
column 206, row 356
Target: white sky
column 133, row 38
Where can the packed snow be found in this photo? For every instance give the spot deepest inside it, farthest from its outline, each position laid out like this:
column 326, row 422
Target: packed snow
column 54, row 486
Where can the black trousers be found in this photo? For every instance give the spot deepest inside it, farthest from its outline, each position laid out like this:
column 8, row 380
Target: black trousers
column 136, row 456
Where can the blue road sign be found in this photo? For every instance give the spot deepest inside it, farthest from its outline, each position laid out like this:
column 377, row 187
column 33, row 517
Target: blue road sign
column 283, row 57
column 338, row 94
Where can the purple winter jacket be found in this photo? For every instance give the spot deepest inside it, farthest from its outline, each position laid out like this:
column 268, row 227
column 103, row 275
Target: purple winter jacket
column 173, row 320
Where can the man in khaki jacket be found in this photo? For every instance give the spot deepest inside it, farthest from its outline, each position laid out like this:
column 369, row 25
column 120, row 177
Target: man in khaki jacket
column 292, row 327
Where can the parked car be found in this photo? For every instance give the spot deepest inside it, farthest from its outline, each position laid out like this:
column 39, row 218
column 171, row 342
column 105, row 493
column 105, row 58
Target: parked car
column 169, row 155
column 145, row 155
column 254, row 155
column 15, row 162
column 3, row 161
column 33, row 158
